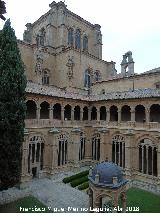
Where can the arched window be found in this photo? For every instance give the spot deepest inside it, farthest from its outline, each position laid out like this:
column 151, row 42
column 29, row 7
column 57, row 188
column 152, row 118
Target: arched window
column 77, row 113
column 94, row 113
column 44, row 110
column 78, row 39
column 35, row 155
column 62, row 150
column 85, row 43
column 140, row 115
column 118, row 150
column 113, row 113
column 57, row 111
column 45, row 77
column 67, row 112
column 103, row 113
column 70, row 37
column 147, row 157
column 96, row 147
column 85, row 113
column 82, row 146
column 126, row 113
column 87, row 79
column 31, row 110
column 155, row 113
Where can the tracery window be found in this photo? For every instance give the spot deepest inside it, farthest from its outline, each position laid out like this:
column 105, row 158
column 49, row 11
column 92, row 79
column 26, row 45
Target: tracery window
column 96, row 147
column 45, row 77
column 147, row 157
column 78, row 39
column 118, row 150
column 85, row 43
column 82, row 146
column 70, row 37
column 62, row 149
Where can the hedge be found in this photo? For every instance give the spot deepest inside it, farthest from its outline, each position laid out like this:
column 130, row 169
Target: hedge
column 73, row 177
column 79, row 181
column 84, row 185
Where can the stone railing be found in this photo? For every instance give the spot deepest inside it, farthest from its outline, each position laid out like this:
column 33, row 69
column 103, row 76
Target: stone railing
column 35, row 123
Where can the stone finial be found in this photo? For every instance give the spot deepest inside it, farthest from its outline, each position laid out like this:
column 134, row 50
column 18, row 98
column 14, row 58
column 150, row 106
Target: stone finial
column 51, row 5
column 97, row 178
column 90, row 170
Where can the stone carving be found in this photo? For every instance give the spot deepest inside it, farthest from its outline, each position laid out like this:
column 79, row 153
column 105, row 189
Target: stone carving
column 70, row 64
column 27, row 35
column 39, row 63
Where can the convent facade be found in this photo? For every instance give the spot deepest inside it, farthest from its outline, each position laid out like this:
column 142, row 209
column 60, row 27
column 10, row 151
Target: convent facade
column 79, row 110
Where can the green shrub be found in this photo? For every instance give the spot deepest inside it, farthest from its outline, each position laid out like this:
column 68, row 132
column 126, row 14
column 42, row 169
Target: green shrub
column 84, row 185
column 73, row 177
column 79, row 181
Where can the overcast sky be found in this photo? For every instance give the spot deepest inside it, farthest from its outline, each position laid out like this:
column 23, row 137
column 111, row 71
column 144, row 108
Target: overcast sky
column 125, row 25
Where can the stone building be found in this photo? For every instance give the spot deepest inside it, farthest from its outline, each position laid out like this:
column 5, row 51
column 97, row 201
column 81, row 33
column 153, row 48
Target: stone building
column 79, row 110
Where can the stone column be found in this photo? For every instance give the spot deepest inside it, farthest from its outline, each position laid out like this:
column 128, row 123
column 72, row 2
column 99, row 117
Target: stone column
column 119, row 115
column 89, row 114
column 72, row 114
column 158, row 161
column 38, row 112
column 81, row 114
column 103, row 145
column 147, row 112
column 98, row 114
column 129, row 143
column 114, row 203
column 108, row 115
column 123, row 201
column 88, row 144
column 51, row 112
column 75, row 146
column 62, row 113
column 133, row 114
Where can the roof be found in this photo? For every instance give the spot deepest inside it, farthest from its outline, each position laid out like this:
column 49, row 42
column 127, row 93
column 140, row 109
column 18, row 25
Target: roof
column 34, row 88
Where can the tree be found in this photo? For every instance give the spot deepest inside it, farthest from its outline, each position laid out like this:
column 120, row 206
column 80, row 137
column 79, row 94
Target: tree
column 2, row 10
column 12, row 108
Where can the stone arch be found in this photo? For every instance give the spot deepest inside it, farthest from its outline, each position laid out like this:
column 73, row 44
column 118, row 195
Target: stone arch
column 103, row 113
column 96, row 139
column 57, row 111
column 31, row 109
column 85, row 113
column 140, row 115
column 126, row 113
column 147, row 156
column 155, row 113
column 94, row 113
column 113, row 113
column 44, row 110
column 118, row 149
column 35, row 154
column 67, row 112
column 77, row 111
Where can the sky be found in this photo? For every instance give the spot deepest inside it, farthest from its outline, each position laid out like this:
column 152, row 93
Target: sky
column 125, row 26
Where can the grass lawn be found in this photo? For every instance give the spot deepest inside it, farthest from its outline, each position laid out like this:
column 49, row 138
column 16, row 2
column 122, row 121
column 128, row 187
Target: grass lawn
column 146, row 201
column 27, row 202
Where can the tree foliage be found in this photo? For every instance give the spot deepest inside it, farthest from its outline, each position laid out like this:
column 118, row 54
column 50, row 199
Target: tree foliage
column 12, row 108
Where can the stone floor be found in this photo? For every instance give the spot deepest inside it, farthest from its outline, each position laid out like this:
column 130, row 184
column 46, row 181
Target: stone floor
column 51, row 192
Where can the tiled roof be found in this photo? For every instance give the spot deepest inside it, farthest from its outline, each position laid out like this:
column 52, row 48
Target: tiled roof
column 35, row 88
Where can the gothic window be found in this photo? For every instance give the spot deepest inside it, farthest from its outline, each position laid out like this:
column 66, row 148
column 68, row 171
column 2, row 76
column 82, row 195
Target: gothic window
column 147, row 157
column 97, row 75
column 62, row 150
column 70, row 37
column 45, row 77
column 118, row 150
column 87, row 79
column 78, row 39
column 85, row 43
column 96, row 147
column 82, row 146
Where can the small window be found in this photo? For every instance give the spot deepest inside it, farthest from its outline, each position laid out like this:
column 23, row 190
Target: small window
column 45, row 77
column 103, row 92
column 85, row 43
column 70, row 37
column 157, row 85
column 78, row 39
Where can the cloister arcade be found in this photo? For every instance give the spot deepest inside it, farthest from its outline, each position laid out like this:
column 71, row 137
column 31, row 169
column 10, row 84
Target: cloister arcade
column 138, row 113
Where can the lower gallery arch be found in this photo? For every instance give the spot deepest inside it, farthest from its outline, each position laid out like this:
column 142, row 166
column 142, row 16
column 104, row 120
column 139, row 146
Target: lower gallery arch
column 35, row 155
column 118, row 150
column 147, row 157
column 62, row 151
column 96, row 147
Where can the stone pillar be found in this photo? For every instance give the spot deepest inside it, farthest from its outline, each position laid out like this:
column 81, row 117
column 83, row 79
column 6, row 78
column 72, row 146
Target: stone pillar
column 72, row 114
column 51, row 112
column 119, row 115
column 114, row 203
column 81, row 114
column 147, row 112
column 133, row 114
column 158, row 161
column 38, row 113
column 98, row 114
column 62, row 114
column 75, row 145
column 89, row 114
column 88, row 144
column 129, row 143
column 123, row 201
column 108, row 116
column 103, row 145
